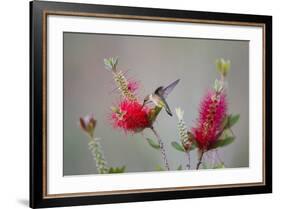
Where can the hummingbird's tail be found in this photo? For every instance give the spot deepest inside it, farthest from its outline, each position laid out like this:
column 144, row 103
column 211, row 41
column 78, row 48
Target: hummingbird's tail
column 168, row 110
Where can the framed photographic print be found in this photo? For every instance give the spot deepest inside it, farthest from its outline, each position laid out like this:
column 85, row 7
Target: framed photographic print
column 140, row 104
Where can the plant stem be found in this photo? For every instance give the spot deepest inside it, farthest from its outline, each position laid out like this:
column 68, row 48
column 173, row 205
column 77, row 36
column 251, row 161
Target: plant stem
column 188, row 160
column 232, row 132
column 164, row 156
column 200, row 160
column 218, row 156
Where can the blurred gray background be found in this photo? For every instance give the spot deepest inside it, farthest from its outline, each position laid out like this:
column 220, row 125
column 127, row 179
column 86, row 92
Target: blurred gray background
column 154, row 61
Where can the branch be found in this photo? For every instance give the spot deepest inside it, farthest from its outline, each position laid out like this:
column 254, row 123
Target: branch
column 163, row 152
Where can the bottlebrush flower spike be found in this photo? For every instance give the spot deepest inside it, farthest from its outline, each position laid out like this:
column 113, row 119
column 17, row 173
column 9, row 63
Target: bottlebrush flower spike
column 182, row 129
column 126, row 88
column 212, row 111
column 130, row 116
column 179, row 113
column 88, row 124
column 97, row 153
column 123, row 85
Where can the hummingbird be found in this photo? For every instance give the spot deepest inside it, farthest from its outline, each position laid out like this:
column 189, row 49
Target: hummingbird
column 159, row 96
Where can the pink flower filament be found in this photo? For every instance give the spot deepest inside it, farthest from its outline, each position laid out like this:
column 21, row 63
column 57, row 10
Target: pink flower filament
column 131, row 116
column 212, row 112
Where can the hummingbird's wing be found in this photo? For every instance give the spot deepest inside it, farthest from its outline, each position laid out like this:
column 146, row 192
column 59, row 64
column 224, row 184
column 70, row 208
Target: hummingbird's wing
column 167, row 90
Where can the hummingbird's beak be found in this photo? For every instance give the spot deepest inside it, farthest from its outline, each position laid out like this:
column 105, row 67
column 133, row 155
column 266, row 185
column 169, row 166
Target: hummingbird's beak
column 144, row 102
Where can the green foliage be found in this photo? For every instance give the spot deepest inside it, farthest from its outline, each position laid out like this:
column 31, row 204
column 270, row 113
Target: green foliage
column 226, row 138
column 152, row 143
column 223, row 142
column 159, row 168
column 223, row 66
column 218, row 86
column 179, row 167
column 193, row 146
column 177, row 146
column 228, row 122
column 219, row 166
column 232, row 120
column 111, row 63
column 224, row 123
column 180, row 148
column 117, row 169
column 204, row 165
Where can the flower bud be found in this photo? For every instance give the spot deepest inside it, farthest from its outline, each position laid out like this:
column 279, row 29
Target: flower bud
column 88, row 124
column 223, row 66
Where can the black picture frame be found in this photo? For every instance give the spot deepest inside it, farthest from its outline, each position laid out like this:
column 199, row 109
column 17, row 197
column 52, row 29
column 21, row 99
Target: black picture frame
column 38, row 11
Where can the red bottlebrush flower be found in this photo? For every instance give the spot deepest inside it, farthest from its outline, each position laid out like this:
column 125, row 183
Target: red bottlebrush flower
column 212, row 111
column 130, row 116
column 133, row 86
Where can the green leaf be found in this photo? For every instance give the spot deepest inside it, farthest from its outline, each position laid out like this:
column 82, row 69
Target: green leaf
column 193, row 146
column 159, row 168
column 177, row 146
column 117, row 169
column 224, row 123
column 180, row 148
column 152, row 143
column 223, row 142
column 223, row 66
column 218, row 86
column 204, row 165
column 219, row 166
column 233, row 119
column 111, row 63
column 179, row 167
